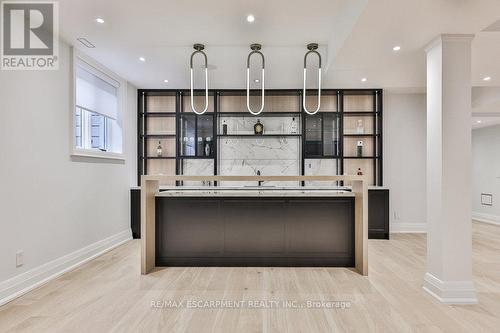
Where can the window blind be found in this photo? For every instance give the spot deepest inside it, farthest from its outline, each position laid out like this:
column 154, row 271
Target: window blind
column 94, row 93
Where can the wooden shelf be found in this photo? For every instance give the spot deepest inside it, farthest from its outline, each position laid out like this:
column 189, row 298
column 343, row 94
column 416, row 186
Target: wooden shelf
column 187, row 157
column 158, row 158
column 158, row 114
column 258, row 135
column 321, row 157
column 263, row 114
column 360, row 158
column 158, row 136
column 359, row 113
column 195, row 114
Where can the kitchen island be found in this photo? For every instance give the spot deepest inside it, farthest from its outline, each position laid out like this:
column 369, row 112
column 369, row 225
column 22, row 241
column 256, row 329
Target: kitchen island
column 253, row 226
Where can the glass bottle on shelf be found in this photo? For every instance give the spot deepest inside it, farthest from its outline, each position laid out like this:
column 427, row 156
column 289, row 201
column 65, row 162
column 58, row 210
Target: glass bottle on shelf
column 258, row 128
column 224, row 127
column 159, row 150
column 208, row 147
column 293, row 126
column 359, row 149
column 201, row 145
column 360, row 129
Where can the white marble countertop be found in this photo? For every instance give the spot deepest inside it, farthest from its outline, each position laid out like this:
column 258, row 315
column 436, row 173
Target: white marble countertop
column 252, row 191
column 303, row 188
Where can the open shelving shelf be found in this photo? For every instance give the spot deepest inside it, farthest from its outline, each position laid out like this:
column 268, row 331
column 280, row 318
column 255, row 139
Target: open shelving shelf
column 328, row 135
column 158, row 136
column 158, row 157
column 263, row 114
column 359, row 157
column 258, row 135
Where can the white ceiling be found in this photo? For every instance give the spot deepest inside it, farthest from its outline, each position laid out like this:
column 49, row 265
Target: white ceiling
column 356, row 38
column 485, row 107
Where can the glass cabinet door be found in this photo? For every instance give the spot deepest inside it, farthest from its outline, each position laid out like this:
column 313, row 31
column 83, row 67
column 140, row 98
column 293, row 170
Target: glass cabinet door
column 313, row 139
column 205, row 140
column 187, row 135
column 330, row 135
column 196, row 135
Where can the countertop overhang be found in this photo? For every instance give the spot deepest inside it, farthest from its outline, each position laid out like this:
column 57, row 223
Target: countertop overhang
column 249, row 191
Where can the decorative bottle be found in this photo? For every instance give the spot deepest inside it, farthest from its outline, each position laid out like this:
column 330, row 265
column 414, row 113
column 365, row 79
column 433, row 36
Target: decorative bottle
column 360, row 149
column 360, row 129
column 293, row 126
column 258, row 128
column 159, row 150
column 208, row 148
column 224, row 127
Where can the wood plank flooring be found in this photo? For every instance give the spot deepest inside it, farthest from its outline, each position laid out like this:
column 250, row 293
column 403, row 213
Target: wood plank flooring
column 108, row 294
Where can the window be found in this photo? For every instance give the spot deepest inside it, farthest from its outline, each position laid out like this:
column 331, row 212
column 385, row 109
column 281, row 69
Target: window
column 97, row 113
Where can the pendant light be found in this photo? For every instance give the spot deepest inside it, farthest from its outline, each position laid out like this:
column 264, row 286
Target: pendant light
column 312, row 49
column 255, row 50
column 199, row 49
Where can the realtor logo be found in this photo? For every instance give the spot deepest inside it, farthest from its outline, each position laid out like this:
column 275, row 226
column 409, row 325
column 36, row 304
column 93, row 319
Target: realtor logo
column 30, row 36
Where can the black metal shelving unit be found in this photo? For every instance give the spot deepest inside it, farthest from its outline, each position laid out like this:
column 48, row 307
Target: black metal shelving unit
column 340, row 116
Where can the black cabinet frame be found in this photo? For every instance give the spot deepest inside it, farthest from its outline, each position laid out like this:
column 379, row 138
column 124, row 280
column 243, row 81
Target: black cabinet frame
column 215, row 95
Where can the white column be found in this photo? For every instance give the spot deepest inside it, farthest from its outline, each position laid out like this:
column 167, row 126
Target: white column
column 449, row 179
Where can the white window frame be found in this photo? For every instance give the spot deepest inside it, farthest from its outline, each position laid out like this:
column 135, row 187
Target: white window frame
column 105, row 74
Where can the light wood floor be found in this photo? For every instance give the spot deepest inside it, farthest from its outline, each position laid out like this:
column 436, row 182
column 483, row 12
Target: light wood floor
column 109, row 295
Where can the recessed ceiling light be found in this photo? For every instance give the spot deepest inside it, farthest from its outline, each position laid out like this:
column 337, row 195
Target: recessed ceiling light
column 479, row 121
column 142, row 59
column 396, row 48
column 166, row 81
column 257, row 80
column 487, row 78
column 250, row 18
column 99, row 20
column 364, row 79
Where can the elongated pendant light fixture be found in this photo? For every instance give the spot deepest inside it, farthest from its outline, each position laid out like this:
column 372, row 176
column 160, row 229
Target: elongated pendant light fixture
column 255, row 50
column 312, row 49
column 199, row 49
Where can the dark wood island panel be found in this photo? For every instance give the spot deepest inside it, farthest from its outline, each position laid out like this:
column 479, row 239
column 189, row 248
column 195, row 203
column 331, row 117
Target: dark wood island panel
column 255, row 231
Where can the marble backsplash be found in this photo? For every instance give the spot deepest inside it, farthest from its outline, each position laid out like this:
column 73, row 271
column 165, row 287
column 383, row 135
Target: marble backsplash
column 272, row 156
column 259, row 148
column 267, row 167
column 320, row 167
column 197, row 167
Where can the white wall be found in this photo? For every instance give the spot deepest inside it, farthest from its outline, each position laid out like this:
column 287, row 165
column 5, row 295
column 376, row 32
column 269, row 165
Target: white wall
column 50, row 204
column 486, row 172
column 404, row 160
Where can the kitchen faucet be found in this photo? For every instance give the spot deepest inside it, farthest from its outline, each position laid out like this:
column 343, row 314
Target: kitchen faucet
column 260, row 181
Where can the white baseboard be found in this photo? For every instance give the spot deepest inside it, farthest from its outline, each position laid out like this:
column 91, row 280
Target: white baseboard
column 450, row 292
column 27, row 281
column 398, row 228
column 486, row 218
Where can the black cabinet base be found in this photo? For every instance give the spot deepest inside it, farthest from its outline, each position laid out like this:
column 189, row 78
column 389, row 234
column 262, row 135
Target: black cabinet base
column 135, row 213
column 378, row 235
column 378, row 214
column 255, row 231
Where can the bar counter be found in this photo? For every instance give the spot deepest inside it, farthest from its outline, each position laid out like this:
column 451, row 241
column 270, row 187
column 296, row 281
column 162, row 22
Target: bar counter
column 254, row 225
